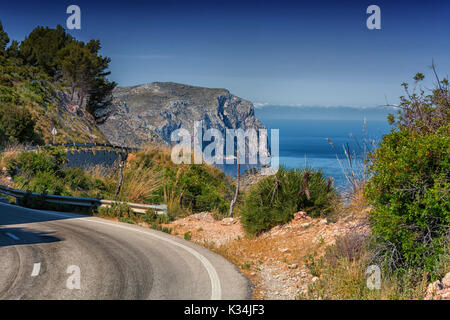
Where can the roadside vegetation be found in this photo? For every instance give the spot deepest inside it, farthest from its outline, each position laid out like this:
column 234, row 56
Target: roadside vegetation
column 184, row 188
column 396, row 214
column 122, row 212
column 408, row 191
column 342, row 275
column 147, row 177
column 410, row 183
column 44, row 172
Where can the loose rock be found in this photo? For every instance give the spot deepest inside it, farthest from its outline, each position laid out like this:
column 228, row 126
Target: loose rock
column 446, row 280
column 300, row 215
column 306, row 225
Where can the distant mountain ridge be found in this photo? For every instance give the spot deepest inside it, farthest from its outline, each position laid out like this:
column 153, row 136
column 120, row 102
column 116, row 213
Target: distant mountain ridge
column 149, row 113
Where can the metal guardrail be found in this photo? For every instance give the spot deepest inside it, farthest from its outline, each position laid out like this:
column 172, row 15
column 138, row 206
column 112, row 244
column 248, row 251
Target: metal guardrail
column 137, row 207
column 85, row 146
column 84, row 202
column 99, row 145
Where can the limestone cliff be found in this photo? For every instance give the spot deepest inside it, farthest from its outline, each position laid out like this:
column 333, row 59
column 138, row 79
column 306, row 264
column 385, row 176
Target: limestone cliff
column 149, row 113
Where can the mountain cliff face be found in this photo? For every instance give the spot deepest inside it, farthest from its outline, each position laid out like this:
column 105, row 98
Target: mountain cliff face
column 149, row 113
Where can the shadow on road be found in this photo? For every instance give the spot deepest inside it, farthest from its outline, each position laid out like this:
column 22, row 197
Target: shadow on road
column 21, row 236
column 12, row 215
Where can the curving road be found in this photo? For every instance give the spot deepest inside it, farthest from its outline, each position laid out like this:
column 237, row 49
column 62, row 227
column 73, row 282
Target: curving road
column 46, row 255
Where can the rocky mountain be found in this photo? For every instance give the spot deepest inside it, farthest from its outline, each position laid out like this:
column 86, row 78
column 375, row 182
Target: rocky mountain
column 149, row 113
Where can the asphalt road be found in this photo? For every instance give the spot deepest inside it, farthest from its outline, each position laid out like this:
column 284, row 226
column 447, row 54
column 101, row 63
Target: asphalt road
column 49, row 255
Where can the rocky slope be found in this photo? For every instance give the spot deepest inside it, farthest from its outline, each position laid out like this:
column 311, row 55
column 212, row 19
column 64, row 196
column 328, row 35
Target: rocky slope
column 54, row 109
column 73, row 122
column 275, row 261
column 149, row 113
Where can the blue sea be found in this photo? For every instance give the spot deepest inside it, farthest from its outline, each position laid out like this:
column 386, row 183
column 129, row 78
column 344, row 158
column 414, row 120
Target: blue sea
column 304, row 132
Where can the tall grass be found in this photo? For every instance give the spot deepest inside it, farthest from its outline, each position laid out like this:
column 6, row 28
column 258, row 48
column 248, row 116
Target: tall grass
column 342, row 273
column 347, row 280
column 140, row 182
column 185, row 188
column 354, row 165
column 172, row 197
column 10, row 151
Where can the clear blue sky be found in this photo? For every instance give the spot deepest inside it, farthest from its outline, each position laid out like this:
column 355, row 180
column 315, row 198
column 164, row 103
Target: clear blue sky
column 276, row 52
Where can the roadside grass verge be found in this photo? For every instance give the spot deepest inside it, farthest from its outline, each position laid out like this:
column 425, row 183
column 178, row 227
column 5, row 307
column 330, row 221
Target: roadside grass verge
column 122, row 212
column 343, row 275
column 147, row 177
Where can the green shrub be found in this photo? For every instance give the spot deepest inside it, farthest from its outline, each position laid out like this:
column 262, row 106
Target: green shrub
column 275, row 199
column 188, row 235
column 150, row 216
column 314, row 265
column 40, row 172
column 423, row 110
column 162, row 219
column 193, row 188
column 201, row 190
column 246, row 266
column 46, row 182
column 16, row 123
column 161, row 228
column 122, row 211
column 76, row 178
column 409, row 193
column 43, row 172
column 49, row 159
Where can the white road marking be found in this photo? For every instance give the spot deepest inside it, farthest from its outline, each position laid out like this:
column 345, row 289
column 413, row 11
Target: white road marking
column 36, row 269
column 216, row 290
column 12, row 236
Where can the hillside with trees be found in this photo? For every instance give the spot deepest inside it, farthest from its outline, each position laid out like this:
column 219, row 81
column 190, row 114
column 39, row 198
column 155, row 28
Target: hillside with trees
column 48, row 80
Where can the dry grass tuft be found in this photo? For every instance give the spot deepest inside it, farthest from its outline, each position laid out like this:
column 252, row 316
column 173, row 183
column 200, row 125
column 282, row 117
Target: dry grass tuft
column 140, row 183
column 346, row 279
column 10, row 152
column 101, row 171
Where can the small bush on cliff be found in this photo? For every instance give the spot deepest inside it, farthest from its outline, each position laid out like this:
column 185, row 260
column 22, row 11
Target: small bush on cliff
column 16, row 124
column 275, row 199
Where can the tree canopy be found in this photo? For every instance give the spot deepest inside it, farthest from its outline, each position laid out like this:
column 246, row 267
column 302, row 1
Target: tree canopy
column 40, row 48
column 4, row 39
column 76, row 64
